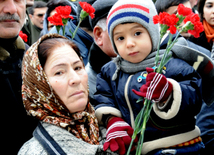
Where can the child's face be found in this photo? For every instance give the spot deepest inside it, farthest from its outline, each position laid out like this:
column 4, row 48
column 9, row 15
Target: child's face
column 132, row 41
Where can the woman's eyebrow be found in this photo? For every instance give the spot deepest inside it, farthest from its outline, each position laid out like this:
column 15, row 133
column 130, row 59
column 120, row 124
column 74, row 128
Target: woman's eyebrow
column 59, row 65
column 75, row 62
column 208, row 3
column 64, row 64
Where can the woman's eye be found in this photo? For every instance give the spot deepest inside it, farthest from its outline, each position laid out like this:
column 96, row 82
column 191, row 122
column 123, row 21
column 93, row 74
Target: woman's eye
column 209, row 6
column 137, row 33
column 78, row 68
column 58, row 73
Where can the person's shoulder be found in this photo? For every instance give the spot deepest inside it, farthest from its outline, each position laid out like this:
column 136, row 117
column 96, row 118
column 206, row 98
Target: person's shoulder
column 69, row 143
column 109, row 66
column 32, row 147
column 178, row 63
column 176, row 66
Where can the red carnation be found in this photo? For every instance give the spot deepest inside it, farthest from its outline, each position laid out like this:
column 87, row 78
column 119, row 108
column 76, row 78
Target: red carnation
column 23, row 36
column 87, row 8
column 167, row 19
column 55, row 20
column 184, row 11
column 64, row 11
column 197, row 25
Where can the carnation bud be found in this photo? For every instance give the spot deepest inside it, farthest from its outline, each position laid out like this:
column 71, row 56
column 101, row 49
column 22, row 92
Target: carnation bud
column 187, row 26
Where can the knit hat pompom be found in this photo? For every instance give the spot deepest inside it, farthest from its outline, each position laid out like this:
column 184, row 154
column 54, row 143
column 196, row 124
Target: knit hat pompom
column 136, row 11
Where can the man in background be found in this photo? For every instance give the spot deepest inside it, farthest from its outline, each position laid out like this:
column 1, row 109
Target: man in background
column 37, row 15
column 101, row 51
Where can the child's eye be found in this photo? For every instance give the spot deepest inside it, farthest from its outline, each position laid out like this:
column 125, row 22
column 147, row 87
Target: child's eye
column 137, row 33
column 120, row 38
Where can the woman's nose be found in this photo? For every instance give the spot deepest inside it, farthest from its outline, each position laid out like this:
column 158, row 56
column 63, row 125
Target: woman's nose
column 74, row 78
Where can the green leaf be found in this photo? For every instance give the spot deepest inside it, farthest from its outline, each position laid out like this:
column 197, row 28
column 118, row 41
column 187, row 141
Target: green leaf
column 140, row 99
column 181, row 19
column 71, row 32
column 138, row 120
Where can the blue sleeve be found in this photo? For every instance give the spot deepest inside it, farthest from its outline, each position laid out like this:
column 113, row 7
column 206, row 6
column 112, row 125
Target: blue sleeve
column 191, row 87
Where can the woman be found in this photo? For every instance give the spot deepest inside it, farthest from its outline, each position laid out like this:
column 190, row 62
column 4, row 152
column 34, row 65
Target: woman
column 206, row 12
column 55, row 91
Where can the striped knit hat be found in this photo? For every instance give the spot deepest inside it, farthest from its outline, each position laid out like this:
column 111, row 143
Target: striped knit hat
column 137, row 11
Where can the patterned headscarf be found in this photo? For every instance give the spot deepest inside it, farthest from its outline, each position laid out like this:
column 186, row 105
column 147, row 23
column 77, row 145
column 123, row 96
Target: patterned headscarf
column 42, row 102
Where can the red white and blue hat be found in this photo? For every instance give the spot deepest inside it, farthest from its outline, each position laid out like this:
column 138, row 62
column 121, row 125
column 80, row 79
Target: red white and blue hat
column 138, row 11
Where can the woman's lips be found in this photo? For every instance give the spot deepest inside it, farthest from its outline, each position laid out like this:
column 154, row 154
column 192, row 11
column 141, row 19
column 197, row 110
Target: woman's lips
column 77, row 93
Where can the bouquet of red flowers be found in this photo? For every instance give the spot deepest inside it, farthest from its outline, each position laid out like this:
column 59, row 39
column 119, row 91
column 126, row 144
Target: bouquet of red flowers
column 172, row 23
column 60, row 18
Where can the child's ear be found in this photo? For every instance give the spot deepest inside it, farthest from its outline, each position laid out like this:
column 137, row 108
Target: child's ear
column 98, row 35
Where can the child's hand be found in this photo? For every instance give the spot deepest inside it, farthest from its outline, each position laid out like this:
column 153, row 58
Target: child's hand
column 118, row 135
column 157, row 87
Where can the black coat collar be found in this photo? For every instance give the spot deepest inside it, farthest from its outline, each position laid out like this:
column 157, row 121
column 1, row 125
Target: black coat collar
column 97, row 58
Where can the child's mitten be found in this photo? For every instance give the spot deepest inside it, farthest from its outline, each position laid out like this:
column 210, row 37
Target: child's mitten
column 156, row 88
column 118, row 135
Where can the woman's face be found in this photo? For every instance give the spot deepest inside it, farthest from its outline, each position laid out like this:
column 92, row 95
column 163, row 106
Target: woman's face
column 209, row 12
column 68, row 78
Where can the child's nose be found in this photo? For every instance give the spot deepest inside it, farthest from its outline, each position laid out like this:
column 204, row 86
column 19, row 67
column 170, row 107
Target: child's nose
column 130, row 43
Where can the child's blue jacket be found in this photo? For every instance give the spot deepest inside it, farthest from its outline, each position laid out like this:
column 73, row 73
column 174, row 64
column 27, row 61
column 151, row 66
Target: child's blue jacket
column 167, row 126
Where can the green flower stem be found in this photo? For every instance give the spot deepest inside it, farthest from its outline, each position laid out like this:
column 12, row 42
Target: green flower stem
column 83, row 15
column 147, row 111
column 75, row 31
column 157, row 55
column 137, row 128
column 58, row 29
column 170, row 44
column 63, row 30
column 64, row 21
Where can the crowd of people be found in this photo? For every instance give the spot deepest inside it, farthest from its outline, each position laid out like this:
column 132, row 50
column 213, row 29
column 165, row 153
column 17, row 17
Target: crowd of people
column 79, row 96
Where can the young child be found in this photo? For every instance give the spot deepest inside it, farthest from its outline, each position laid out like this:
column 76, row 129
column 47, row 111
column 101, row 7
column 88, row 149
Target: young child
column 171, row 127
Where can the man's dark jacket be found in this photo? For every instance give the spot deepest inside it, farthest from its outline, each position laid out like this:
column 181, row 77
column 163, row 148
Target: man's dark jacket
column 16, row 126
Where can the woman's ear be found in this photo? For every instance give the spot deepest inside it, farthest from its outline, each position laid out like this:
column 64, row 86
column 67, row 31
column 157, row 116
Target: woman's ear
column 98, row 35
